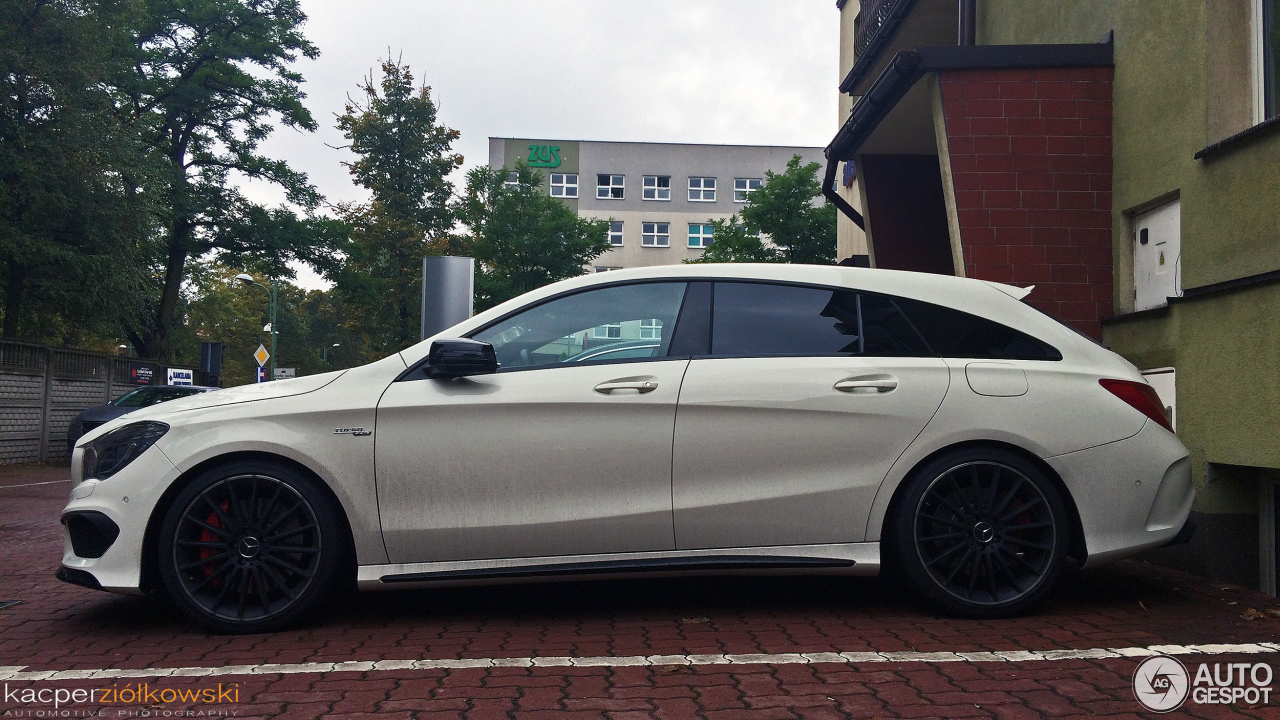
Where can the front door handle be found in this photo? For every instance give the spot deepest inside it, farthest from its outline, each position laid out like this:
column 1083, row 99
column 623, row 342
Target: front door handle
column 867, row 386
column 626, row 386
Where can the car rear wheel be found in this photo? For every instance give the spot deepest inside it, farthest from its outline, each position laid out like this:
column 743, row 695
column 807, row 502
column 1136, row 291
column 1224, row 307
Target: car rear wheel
column 249, row 547
column 981, row 533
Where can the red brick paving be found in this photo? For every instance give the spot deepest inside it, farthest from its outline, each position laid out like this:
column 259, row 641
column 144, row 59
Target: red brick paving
column 61, row 627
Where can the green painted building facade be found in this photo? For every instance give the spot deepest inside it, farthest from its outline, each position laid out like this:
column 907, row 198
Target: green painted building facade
column 1195, row 116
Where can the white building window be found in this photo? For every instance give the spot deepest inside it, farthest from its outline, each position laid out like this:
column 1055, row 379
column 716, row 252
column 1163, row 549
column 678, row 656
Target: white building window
column 610, row 187
column 564, row 185
column 655, row 234
column 702, row 189
column 657, row 187
column 700, row 235
column 615, row 233
column 651, row 329
column 601, row 269
column 513, row 179
column 607, row 332
column 742, row 187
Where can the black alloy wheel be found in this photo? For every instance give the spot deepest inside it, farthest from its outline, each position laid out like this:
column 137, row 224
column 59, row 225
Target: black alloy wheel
column 981, row 534
column 249, row 549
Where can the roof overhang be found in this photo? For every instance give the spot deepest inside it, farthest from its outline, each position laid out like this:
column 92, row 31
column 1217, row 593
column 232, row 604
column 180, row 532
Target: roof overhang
column 905, row 69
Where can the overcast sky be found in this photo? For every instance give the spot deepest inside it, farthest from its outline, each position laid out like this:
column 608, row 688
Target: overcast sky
column 694, row 71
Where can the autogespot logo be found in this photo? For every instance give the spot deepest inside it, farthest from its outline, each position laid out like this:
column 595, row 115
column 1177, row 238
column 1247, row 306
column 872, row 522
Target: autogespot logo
column 1160, row 683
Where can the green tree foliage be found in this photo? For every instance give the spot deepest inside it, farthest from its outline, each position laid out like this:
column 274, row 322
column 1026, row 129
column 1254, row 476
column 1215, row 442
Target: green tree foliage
column 783, row 210
column 404, row 161
column 210, row 81
column 72, row 211
column 521, row 237
column 215, row 307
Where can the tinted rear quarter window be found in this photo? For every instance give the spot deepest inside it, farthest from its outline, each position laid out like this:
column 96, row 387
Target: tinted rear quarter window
column 952, row 333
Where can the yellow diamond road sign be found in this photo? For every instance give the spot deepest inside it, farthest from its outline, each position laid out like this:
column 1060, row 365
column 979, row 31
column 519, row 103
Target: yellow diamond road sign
column 261, row 355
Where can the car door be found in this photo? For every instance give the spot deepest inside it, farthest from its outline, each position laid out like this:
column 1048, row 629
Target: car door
column 788, row 424
column 552, row 455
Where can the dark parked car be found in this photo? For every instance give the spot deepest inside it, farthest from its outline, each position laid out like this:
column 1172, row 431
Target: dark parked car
column 127, row 403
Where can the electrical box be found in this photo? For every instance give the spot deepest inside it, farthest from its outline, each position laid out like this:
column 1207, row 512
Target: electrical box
column 1157, row 256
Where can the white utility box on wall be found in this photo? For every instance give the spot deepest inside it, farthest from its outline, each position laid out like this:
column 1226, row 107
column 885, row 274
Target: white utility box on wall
column 1157, row 256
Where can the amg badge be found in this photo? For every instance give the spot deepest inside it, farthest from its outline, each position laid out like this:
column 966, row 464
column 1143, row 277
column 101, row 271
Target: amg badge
column 352, row 431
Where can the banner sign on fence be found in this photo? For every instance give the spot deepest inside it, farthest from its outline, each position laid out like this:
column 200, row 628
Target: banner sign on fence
column 140, row 374
column 179, row 376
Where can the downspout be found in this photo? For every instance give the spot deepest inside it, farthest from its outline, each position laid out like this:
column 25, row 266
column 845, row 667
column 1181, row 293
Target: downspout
column 829, row 192
column 968, row 25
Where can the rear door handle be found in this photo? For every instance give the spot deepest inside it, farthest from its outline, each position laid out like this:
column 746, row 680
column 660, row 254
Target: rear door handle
column 866, row 386
column 626, row 386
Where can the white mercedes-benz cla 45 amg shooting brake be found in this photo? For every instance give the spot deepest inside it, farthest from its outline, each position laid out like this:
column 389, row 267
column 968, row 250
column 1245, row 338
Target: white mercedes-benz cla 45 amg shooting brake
column 699, row 418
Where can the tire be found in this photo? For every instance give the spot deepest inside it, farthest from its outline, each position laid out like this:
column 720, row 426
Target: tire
column 981, row 533
column 250, row 547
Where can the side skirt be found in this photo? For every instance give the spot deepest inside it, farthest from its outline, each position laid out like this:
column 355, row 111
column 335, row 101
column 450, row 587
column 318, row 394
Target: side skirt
column 844, row 559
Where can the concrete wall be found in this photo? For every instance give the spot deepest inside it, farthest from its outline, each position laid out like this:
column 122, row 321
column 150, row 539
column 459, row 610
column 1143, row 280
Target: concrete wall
column 43, row 389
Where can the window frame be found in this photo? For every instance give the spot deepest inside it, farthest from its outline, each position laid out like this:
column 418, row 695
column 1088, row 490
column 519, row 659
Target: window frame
column 1258, row 43
column 657, row 188
column 620, row 186
column 655, row 234
column 702, row 189
column 745, row 191
column 703, row 237
column 564, row 185
column 621, row 234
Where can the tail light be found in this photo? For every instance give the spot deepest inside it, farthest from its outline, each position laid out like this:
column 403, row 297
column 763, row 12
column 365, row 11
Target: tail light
column 1141, row 396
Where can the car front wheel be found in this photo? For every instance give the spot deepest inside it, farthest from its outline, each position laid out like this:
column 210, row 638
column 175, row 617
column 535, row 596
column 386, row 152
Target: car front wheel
column 249, row 547
column 981, row 533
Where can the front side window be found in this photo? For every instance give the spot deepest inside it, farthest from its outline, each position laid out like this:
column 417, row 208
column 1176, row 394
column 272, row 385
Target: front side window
column 610, row 187
column 611, row 323
column 564, row 185
column 655, row 234
column 615, row 233
column 743, row 187
column 656, row 187
column 700, row 235
column 702, row 189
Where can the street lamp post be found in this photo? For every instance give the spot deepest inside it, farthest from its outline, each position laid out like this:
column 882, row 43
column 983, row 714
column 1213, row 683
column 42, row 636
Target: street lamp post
column 324, row 354
column 275, row 287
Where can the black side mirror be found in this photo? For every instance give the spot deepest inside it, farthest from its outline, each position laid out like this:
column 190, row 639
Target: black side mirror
column 459, row 357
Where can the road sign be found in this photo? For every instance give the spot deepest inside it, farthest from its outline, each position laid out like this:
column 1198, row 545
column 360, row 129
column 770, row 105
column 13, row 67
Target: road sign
column 261, row 355
column 260, row 375
column 286, row 373
column 179, row 376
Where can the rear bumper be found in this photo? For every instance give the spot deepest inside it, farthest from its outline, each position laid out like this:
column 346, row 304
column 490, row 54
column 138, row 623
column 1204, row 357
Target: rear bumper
column 1132, row 495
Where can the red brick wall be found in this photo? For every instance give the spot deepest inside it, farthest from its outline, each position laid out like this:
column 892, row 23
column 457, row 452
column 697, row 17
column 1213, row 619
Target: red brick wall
column 1031, row 162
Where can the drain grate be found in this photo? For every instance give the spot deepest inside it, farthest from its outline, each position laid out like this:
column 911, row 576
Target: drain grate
column 6, row 604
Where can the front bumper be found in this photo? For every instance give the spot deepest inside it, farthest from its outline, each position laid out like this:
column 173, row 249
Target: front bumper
column 125, row 500
column 1132, row 495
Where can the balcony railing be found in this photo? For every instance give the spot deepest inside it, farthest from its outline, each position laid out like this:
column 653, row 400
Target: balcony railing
column 871, row 17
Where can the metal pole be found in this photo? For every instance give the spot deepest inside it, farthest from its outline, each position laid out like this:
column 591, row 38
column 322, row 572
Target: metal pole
column 274, row 288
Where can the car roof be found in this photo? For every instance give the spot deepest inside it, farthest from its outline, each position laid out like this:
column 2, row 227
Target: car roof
column 994, row 301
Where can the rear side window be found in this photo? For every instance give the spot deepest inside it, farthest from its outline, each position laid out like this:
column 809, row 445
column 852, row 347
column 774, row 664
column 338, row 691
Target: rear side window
column 760, row 319
column 952, row 333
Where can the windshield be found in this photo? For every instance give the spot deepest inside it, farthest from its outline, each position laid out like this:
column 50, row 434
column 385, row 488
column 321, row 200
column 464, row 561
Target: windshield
column 144, row 397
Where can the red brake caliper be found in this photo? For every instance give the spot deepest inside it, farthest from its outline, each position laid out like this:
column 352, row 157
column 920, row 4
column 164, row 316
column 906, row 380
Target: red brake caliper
column 208, row 552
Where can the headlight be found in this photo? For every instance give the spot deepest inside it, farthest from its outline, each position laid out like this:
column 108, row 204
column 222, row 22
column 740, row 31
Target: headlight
column 108, row 455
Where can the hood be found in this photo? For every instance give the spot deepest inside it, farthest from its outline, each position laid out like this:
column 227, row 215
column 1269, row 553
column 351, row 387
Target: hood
column 103, row 413
column 239, row 394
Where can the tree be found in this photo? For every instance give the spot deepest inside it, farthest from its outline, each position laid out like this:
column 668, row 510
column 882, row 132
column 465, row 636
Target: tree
column 404, row 161
column 732, row 242
column 72, row 212
column 521, row 237
column 783, row 210
column 210, row 77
